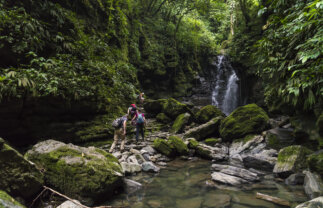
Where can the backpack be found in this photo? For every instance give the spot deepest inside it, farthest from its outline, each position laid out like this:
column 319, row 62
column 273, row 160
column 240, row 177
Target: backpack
column 140, row 119
column 117, row 123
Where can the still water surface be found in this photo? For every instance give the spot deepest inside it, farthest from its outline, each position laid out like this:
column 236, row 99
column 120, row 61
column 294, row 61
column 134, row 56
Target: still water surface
column 183, row 185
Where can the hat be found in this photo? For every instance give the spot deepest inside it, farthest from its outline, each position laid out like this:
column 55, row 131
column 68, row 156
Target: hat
column 133, row 105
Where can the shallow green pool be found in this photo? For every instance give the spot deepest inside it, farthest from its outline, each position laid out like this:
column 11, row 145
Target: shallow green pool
column 183, row 184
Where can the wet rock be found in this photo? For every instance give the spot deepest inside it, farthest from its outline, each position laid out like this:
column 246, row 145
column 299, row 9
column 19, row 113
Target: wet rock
column 314, row 203
column 259, row 162
column 149, row 149
column 295, row 179
column 132, row 159
column 164, row 147
column 218, row 153
column 130, row 168
column 245, row 146
column 189, row 203
column 235, row 171
column 291, row 160
column 146, row 156
column 131, row 186
column 18, row 176
column 70, row 204
column 217, row 201
column 118, row 155
column 150, row 167
column 278, row 138
column 244, row 120
column 178, row 144
column 203, row 131
column 227, row 179
column 315, row 162
column 82, row 173
column 313, row 185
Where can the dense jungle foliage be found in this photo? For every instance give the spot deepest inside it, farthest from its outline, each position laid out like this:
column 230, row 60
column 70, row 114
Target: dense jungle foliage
column 107, row 50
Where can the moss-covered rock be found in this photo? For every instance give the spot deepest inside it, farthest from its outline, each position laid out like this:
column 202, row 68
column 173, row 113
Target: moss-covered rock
column 315, row 162
column 154, row 106
column 162, row 118
column 179, row 145
column 180, row 122
column 212, row 141
column 290, row 160
column 207, row 113
column 86, row 174
column 7, row 201
column 244, row 120
column 203, row 152
column 164, row 147
column 18, row 176
column 192, row 143
column 173, row 108
column 210, row 128
column 279, row 138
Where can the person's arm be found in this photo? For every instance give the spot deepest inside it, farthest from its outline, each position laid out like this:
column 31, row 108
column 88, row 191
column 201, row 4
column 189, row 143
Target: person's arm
column 124, row 127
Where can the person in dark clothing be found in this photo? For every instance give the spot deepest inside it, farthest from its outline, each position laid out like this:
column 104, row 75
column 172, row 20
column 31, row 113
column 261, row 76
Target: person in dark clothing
column 140, row 124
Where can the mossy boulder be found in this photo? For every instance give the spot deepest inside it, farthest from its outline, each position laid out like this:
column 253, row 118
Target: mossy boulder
column 162, row 118
column 173, row 108
column 154, row 106
column 315, row 162
column 278, row 138
column 192, row 143
column 212, row 141
column 207, row 113
column 201, row 132
column 18, row 176
column 244, row 120
column 181, row 121
column 164, row 147
column 180, row 147
column 291, row 160
column 86, row 174
column 6, row 201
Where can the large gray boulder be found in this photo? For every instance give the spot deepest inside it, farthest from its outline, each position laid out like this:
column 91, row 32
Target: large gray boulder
column 85, row 174
column 291, row 160
column 208, row 129
column 314, row 203
column 313, row 184
column 227, row 179
column 18, row 176
column 235, row 171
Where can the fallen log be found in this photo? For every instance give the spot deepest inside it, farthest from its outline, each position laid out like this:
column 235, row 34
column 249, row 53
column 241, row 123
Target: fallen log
column 272, row 199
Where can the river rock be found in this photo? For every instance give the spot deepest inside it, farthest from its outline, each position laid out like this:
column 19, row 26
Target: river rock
column 131, row 186
column 313, row 184
column 201, row 132
column 130, row 168
column 227, row 179
column 178, row 144
column 150, row 167
column 314, row 203
column 244, row 120
column 70, row 204
column 217, row 153
column 245, row 146
column 217, row 201
column 235, row 171
column 6, row 201
column 278, row 138
column 315, row 162
column 85, row 174
column 261, row 161
column 181, row 121
column 18, row 176
column 164, row 147
column 149, row 149
column 207, row 113
column 290, row 160
column 295, row 179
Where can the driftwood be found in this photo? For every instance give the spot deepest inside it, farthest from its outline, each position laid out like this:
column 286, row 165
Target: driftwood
column 275, row 200
column 72, row 200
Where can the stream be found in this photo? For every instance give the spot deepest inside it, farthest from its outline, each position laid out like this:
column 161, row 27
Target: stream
column 184, row 184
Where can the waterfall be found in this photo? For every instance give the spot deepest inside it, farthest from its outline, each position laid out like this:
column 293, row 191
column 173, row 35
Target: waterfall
column 225, row 94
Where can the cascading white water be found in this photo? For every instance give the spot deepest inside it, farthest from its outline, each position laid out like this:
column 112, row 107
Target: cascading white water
column 225, row 94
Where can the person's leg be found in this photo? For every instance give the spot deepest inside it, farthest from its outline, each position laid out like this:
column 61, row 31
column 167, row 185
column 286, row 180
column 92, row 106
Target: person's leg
column 115, row 140
column 137, row 132
column 123, row 139
column 142, row 131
